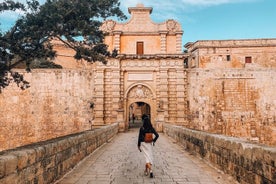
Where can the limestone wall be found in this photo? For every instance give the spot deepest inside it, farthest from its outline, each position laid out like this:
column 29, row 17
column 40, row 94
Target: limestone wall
column 48, row 161
column 232, row 53
column 56, row 104
column 234, row 102
column 260, row 57
column 247, row 163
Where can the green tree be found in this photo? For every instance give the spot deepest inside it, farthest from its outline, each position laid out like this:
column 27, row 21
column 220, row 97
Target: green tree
column 5, row 55
column 74, row 22
column 11, row 5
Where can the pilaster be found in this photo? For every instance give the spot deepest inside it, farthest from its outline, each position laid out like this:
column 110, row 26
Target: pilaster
column 163, row 88
column 180, row 95
column 117, row 40
column 179, row 42
column 163, row 44
column 99, row 98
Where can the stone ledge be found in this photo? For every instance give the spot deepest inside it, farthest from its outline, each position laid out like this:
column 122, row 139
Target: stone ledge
column 48, row 161
column 152, row 56
column 248, row 163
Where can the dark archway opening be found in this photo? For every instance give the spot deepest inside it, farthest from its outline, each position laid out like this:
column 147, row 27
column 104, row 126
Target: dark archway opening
column 136, row 111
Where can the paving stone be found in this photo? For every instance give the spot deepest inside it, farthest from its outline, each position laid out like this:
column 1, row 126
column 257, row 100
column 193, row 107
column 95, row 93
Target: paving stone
column 120, row 162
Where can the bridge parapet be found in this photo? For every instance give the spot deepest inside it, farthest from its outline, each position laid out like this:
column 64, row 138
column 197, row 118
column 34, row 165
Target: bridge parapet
column 48, row 161
column 247, row 162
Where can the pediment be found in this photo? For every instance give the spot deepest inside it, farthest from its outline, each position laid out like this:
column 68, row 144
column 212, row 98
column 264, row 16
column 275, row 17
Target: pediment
column 140, row 23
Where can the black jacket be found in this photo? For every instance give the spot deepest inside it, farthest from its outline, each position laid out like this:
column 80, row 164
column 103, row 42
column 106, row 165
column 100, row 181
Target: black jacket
column 142, row 133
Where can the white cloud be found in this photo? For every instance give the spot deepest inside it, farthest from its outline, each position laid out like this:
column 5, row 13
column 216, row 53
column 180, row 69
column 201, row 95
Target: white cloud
column 174, row 9
column 176, row 4
column 213, row 2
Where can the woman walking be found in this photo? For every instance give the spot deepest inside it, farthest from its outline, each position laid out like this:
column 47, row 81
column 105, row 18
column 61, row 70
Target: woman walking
column 146, row 143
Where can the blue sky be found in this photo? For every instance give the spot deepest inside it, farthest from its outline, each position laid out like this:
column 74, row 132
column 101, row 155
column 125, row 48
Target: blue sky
column 205, row 19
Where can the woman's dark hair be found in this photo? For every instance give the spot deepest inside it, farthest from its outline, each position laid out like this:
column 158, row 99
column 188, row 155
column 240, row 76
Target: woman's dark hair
column 147, row 124
column 144, row 116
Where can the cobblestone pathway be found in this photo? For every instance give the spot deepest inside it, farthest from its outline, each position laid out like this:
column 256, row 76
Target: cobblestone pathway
column 120, row 162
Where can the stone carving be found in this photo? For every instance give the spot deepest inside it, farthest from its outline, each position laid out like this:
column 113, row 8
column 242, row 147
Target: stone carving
column 140, row 91
column 108, row 26
column 171, row 25
column 133, row 63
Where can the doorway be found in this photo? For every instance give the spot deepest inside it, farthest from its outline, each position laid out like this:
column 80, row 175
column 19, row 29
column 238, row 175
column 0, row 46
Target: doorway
column 136, row 111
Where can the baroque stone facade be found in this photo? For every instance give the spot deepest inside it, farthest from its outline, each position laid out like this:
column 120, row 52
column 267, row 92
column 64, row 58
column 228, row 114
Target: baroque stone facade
column 218, row 86
column 162, row 38
column 149, row 69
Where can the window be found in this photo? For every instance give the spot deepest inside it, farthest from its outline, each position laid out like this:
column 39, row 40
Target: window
column 140, row 48
column 186, row 63
column 228, row 57
column 248, row 59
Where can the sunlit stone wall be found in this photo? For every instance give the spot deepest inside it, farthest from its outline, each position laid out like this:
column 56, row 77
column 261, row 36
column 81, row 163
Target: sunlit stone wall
column 56, row 104
column 234, row 102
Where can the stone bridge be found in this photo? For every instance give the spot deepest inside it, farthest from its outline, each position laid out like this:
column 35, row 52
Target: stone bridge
column 103, row 155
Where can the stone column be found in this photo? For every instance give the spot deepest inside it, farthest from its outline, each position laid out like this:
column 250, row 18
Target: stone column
column 179, row 42
column 163, row 43
column 117, row 40
column 160, row 117
column 120, row 120
column 99, row 98
column 180, row 95
column 163, row 89
column 115, row 93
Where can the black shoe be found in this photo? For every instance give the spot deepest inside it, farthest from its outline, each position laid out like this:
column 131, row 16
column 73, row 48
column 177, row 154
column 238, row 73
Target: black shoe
column 151, row 175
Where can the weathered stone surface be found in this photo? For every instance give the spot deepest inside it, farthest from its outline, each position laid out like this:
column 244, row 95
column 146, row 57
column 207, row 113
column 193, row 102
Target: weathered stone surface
column 30, row 165
column 12, row 178
column 244, row 161
column 210, row 88
column 239, row 103
column 201, row 89
column 231, row 53
column 10, row 164
column 56, row 104
column 2, row 168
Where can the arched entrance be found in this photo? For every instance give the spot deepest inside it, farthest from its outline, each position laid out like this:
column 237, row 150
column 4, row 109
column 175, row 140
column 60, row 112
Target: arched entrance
column 136, row 111
column 141, row 96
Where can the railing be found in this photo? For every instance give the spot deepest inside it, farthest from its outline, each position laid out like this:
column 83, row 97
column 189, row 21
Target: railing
column 48, row 161
column 248, row 163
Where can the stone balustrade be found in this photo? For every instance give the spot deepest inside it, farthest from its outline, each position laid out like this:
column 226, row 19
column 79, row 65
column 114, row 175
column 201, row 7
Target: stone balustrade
column 248, row 163
column 45, row 162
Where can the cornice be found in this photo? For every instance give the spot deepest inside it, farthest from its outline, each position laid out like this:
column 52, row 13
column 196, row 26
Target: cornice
column 239, row 43
column 152, row 56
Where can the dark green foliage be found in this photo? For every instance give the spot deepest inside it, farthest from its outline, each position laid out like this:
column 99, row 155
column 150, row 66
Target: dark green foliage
column 7, row 76
column 11, row 5
column 66, row 20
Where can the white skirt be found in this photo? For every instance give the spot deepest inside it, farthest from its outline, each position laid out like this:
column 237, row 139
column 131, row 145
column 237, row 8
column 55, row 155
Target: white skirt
column 147, row 149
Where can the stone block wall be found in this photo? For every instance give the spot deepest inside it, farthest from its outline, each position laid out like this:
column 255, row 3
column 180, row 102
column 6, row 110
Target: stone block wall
column 248, row 163
column 234, row 102
column 56, row 104
column 45, row 162
column 232, row 53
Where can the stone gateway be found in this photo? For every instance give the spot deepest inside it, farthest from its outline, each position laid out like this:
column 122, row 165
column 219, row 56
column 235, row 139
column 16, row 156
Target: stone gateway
column 218, row 86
